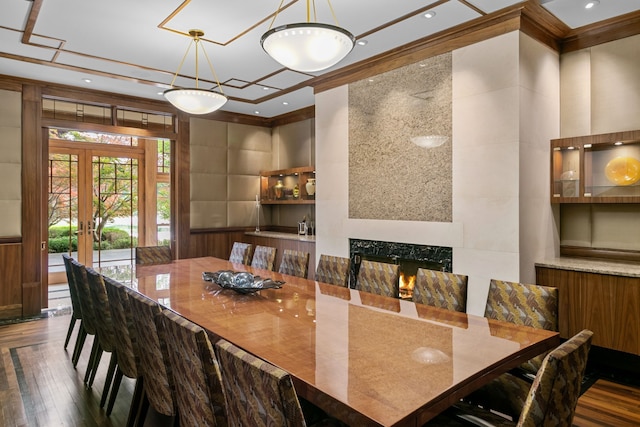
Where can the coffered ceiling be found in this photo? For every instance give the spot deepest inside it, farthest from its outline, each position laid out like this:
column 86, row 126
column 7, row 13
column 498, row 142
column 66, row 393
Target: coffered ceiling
column 135, row 47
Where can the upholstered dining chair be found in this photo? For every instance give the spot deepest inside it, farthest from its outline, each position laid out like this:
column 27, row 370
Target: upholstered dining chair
column 441, row 289
column 158, row 391
column 76, row 310
column 241, row 253
column 196, row 374
column 333, row 270
column 259, row 394
column 522, row 304
column 551, row 399
column 150, row 255
column 264, row 257
column 294, row 263
column 378, row 278
column 104, row 326
column 126, row 347
column 89, row 318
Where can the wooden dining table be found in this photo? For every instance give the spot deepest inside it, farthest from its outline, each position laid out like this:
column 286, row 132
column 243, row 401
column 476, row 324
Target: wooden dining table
column 362, row 358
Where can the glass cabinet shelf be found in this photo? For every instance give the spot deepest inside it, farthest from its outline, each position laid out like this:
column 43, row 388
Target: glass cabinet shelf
column 288, row 186
column 596, row 169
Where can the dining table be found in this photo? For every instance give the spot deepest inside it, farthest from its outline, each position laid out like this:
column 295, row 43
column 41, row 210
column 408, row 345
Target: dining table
column 365, row 359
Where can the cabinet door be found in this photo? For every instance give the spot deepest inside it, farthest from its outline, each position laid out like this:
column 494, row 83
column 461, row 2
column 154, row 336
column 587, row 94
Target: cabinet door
column 627, row 315
column 598, row 307
column 570, row 311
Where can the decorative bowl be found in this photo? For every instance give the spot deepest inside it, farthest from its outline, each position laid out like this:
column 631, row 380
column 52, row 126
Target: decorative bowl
column 241, row 282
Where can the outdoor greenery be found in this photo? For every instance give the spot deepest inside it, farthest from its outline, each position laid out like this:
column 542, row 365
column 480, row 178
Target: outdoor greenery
column 63, row 239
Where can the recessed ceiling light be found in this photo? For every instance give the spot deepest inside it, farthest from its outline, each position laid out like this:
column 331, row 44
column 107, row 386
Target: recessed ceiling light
column 86, row 80
column 571, row 148
column 430, row 14
column 265, row 88
column 617, row 143
column 362, row 42
column 587, row 145
column 256, row 112
column 160, row 93
column 285, row 103
column 591, row 4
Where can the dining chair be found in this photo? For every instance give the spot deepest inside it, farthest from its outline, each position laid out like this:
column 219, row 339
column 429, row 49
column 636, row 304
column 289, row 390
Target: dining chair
column 76, row 310
column 195, row 370
column 259, row 394
column 521, row 304
column 150, row 255
column 378, row 278
column 89, row 318
column 294, row 263
column 159, row 390
column 241, row 253
column 264, row 257
column 126, row 344
column 551, row 400
column 441, row 289
column 333, row 270
column 104, row 327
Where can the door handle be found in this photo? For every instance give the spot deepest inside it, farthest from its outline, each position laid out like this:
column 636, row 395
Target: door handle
column 79, row 231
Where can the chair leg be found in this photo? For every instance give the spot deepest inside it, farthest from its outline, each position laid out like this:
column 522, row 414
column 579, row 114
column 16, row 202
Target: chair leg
column 82, row 336
column 113, row 362
column 136, row 402
column 96, row 365
column 142, row 411
column 72, row 325
column 117, row 380
column 96, row 353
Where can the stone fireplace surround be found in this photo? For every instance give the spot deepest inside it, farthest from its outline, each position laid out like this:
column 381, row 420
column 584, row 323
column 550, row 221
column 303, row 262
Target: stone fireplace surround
column 431, row 255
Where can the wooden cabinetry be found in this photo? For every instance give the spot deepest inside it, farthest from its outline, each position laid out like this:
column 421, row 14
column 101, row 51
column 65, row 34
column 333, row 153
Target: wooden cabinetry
column 596, row 168
column 288, row 186
column 607, row 304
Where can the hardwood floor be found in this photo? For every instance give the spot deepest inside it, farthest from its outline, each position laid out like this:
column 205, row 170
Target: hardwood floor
column 40, row 387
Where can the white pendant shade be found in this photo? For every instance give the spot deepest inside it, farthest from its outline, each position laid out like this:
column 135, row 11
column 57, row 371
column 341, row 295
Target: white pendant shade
column 309, row 46
column 194, row 100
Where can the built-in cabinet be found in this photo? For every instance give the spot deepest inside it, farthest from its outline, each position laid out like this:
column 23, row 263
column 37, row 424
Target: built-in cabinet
column 288, row 186
column 596, row 168
column 607, row 304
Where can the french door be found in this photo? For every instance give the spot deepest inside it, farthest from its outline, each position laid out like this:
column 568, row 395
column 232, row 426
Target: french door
column 95, row 209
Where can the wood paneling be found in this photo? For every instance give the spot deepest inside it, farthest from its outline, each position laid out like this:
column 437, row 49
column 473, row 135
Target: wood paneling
column 609, row 305
column 32, row 190
column 215, row 242
column 180, row 190
column 10, row 280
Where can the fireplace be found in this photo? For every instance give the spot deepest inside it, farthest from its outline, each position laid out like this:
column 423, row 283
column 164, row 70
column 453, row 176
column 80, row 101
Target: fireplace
column 408, row 256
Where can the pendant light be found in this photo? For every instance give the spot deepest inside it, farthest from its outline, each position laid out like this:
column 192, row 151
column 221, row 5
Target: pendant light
column 196, row 100
column 307, row 46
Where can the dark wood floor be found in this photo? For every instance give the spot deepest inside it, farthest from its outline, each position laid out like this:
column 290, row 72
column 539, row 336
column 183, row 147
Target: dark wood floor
column 39, row 387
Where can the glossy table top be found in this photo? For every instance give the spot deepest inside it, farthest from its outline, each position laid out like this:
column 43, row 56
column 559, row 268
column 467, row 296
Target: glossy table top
column 365, row 359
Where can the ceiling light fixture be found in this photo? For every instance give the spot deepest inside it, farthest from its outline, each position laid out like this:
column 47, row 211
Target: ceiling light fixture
column 307, row 46
column 591, row 4
column 196, row 100
column 430, row 14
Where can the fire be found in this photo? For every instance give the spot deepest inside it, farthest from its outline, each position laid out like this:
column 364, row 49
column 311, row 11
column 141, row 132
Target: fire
column 406, row 285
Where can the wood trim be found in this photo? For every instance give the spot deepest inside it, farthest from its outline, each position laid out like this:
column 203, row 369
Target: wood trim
column 32, row 182
column 180, row 190
column 600, row 253
column 10, row 240
column 95, row 127
column 471, row 32
column 10, row 311
column 602, row 32
column 294, row 116
column 289, row 171
column 10, row 85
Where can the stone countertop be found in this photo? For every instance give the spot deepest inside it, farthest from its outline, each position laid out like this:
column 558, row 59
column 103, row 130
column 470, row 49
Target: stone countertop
column 278, row 235
column 614, row 268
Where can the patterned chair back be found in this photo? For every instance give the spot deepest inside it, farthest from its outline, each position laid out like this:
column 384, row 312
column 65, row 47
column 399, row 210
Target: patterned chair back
column 100, row 302
column 378, row 278
column 333, row 270
column 241, row 253
column 73, row 291
column 158, row 382
column 84, row 296
column 441, row 289
column 258, row 393
column 195, row 370
column 554, row 394
column 122, row 319
column 150, row 255
column 294, row 263
column 264, row 257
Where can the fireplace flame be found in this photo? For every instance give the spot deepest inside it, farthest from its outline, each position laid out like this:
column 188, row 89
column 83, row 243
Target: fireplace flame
column 406, row 285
